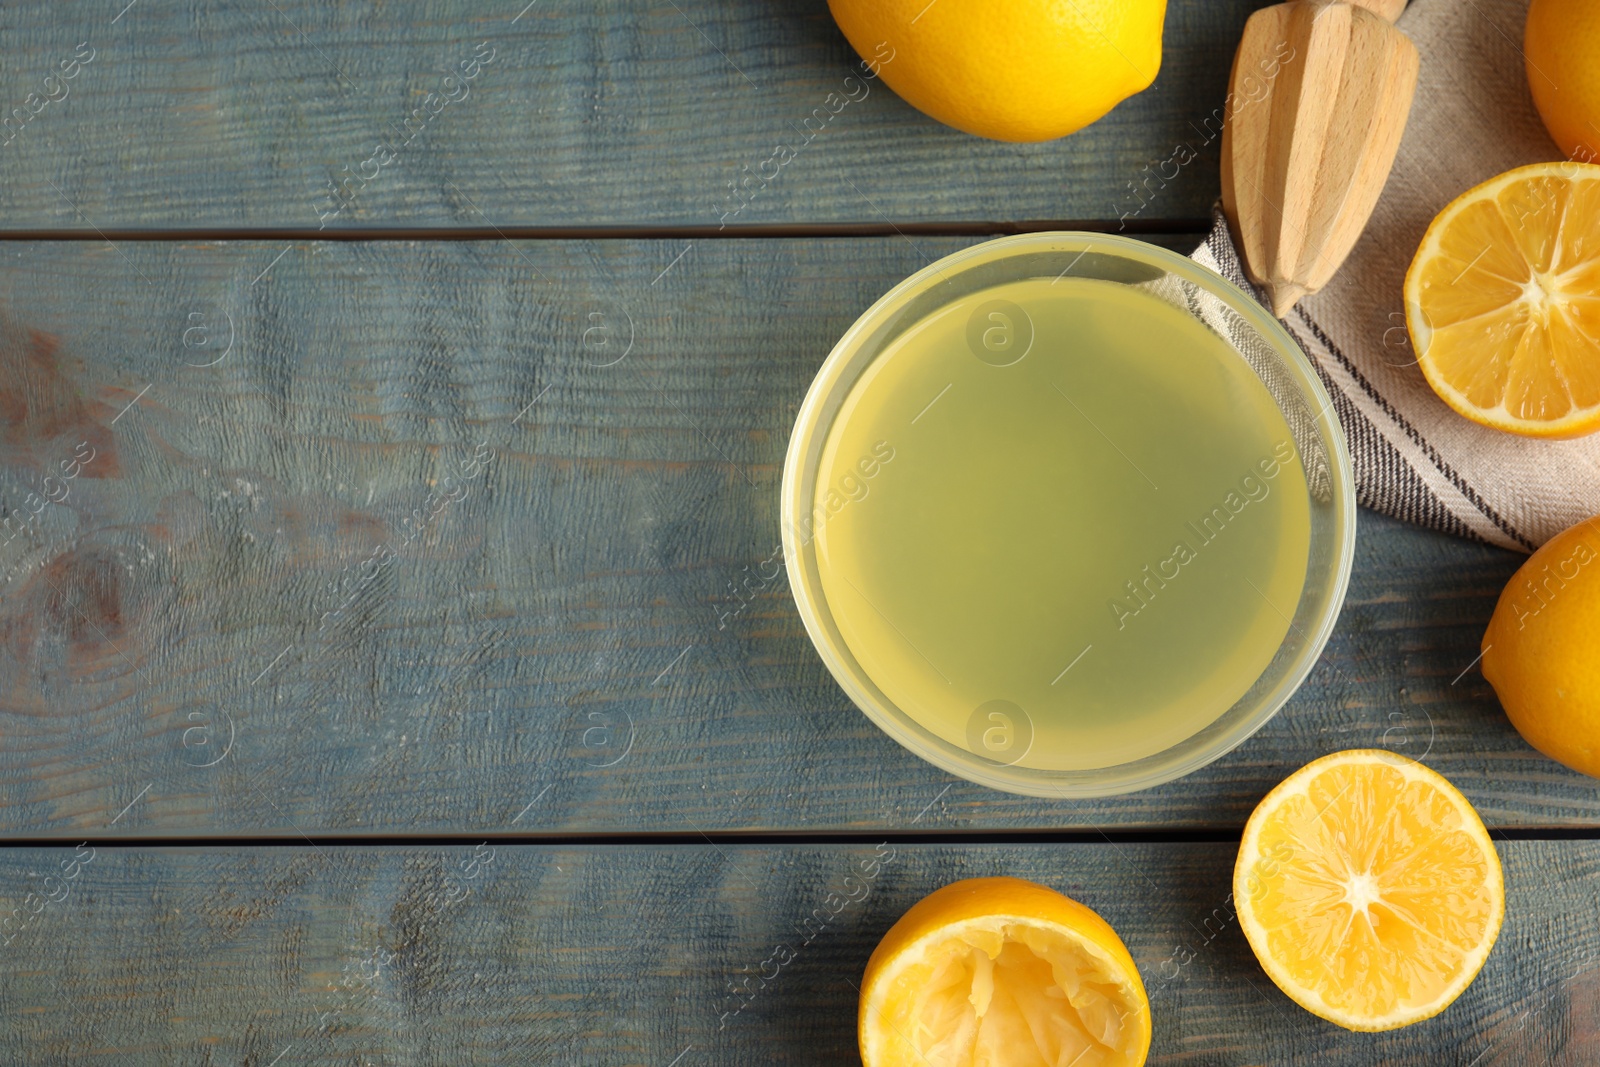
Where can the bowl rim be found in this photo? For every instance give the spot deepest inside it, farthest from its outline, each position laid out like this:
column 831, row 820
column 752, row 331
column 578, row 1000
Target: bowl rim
column 1095, row 782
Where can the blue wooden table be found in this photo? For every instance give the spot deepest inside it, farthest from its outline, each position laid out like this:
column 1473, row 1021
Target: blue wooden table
column 404, row 677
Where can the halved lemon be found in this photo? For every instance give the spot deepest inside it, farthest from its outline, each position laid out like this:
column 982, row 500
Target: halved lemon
column 1503, row 301
column 1000, row 971
column 1369, row 889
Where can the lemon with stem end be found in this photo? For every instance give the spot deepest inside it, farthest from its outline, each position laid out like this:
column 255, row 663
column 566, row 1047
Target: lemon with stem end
column 1023, row 70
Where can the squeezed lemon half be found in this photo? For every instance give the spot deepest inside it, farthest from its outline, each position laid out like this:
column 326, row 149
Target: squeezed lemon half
column 1002, row 971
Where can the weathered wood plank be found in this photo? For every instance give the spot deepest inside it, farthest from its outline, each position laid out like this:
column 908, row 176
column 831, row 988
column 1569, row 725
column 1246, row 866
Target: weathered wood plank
column 655, row 956
column 621, row 112
column 236, row 621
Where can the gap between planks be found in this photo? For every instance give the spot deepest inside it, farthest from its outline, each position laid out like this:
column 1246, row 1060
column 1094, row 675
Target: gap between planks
column 1135, row 227
column 695, row 838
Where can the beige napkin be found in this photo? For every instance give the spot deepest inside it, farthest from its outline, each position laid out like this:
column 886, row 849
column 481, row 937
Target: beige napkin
column 1415, row 459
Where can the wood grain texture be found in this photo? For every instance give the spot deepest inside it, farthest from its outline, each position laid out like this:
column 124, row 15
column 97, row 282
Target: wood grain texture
column 1388, row 9
column 656, row 956
column 619, row 112
column 1319, row 99
column 236, row 621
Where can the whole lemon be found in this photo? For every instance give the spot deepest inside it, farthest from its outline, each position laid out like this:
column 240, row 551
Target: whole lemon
column 1562, row 45
column 1542, row 649
column 1018, row 70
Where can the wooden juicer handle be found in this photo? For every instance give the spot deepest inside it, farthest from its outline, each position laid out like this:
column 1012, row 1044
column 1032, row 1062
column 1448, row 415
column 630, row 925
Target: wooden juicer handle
column 1319, row 97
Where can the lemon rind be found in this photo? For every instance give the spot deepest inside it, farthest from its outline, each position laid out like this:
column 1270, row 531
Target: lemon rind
column 1250, row 853
column 1578, row 423
column 916, row 951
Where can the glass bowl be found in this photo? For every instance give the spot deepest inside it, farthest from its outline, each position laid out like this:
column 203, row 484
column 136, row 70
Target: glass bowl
column 1268, row 355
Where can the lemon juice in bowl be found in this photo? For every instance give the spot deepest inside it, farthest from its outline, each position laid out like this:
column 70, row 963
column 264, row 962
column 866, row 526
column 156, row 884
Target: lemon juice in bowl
column 1049, row 530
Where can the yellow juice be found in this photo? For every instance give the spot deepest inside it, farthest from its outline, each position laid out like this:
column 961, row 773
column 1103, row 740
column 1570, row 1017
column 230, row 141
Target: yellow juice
column 1061, row 524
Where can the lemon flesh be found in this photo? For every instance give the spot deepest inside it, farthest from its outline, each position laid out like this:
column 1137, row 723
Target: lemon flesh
column 1369, row 890
column 1006, row 992
column 1002, row 972
column 1503, row 302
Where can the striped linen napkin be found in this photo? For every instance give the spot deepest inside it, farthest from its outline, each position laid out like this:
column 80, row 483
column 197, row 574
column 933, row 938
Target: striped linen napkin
column 1415, row 459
